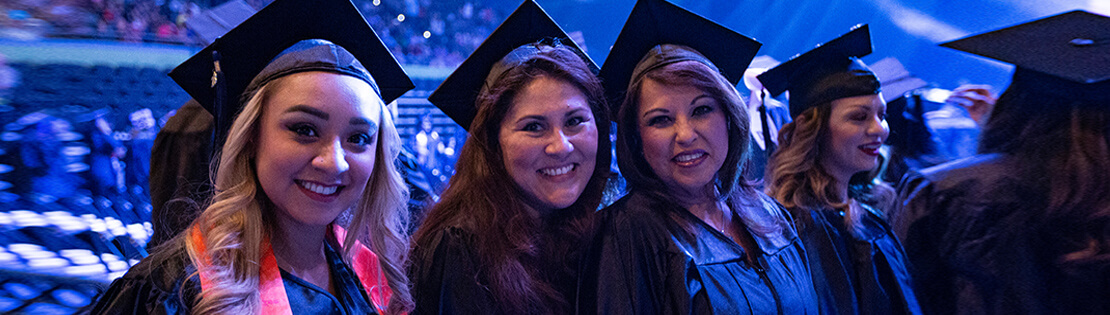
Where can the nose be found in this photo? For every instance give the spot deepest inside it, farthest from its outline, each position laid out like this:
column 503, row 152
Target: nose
column 559, row 145
column 878, row 128
column 684, row 132
column 331, row 158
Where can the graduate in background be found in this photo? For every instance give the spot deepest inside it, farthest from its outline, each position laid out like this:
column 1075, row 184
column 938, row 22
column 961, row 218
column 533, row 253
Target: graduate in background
column 824, row 172
column 507, row 232
column 306, row 176
column 692, row 236
column 1022, row 227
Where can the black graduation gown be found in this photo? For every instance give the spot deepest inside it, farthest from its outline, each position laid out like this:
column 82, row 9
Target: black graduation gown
column 445, row 278
column 648, row 263
column 975, row 245
column 163, row 289
column 864, row 274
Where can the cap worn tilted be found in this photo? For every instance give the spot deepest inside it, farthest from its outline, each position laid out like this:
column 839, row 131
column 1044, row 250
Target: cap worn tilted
column 1067, row 54
column 659, row 33
column 517, row 39
column 340, row 41
column 826, row 73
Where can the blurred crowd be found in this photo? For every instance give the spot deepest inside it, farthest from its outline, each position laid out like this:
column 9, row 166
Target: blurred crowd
column 424, row 32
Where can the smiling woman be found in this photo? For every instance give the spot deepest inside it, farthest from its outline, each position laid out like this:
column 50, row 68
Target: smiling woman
column 823, row 172
column 691, row 236
column 305, row 177
column 507, row 233
column 549, row 139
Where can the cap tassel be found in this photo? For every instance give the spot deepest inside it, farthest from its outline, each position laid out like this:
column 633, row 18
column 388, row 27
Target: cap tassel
column 769, row 146
column 220, row 84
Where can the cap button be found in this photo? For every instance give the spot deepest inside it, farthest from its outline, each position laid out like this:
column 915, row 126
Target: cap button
column 1082, row 42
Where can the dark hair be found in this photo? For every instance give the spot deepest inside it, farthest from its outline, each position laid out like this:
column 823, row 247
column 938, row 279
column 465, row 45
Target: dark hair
column 517, row 250
column 1062, row 150
column 730, row 184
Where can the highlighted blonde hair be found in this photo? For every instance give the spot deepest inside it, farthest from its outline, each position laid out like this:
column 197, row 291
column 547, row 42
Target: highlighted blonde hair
column 237, row 219
column 796, row 178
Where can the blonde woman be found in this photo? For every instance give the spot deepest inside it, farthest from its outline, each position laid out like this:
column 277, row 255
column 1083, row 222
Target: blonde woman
column 311, row 152
column 822, row 173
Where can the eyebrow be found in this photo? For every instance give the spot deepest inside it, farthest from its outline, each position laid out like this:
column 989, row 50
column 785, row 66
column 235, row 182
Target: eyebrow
column 308, row 110
column 360, row 121
column 695, row 100
column 575, row 111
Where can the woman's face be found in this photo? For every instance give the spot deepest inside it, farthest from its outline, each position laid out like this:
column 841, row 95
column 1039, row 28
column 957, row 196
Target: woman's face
column 318, row 136
column 857, row 128
column 549, row 143
column 685, row 136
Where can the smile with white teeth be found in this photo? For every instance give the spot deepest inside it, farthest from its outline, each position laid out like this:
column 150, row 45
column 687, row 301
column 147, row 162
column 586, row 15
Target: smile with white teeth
column 688, row 157
column 319, row 189
column 556, row 171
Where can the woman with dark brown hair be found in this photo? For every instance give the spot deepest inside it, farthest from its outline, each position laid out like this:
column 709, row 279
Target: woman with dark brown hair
column 692, row 236
column 824, row 172
column 506, row 234
column 1023, row 227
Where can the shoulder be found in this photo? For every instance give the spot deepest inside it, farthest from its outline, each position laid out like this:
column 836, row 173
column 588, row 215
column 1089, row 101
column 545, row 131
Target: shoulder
column 637, row 221
column 979, row 168
column 634, row 211
column 154, row 286
column 447, row 244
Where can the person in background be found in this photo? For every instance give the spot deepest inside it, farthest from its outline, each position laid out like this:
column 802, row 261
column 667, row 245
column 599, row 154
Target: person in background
column 691, row 236
column 777, row 115
column 1021, row 227
column 507, row 233
column 143, row 131
column 824, row 172
column 306, row 176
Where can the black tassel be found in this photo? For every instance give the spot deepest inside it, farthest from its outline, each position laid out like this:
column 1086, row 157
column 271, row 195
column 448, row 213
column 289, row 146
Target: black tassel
column 769, row 146
column 219, row 103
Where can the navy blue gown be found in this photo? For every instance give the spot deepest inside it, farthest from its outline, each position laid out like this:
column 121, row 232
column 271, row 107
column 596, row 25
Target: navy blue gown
column 653, row 257
column 862, row 273
column 161, row 287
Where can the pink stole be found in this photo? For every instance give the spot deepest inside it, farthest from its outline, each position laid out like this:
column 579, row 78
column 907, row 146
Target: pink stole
column 272, row 289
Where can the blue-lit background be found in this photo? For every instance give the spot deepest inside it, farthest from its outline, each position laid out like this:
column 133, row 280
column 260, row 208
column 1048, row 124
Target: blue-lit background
column 83, row 91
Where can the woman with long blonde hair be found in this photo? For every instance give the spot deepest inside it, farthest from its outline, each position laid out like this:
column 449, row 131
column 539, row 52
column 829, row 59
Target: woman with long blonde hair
column 824, row 170
column 305, row 178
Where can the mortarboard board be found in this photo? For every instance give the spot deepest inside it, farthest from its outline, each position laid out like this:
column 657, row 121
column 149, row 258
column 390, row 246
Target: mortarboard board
column 895, row 79
column 1066, row 54
column 249, row 50
column 826, row 73
column 500, row 51
column 653, row 23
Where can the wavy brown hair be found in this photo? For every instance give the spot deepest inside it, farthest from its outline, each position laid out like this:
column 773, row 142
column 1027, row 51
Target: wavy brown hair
column 730, row 186
column 516, row 249
column 796, row 178
column 240, row 216
column 1062, row 149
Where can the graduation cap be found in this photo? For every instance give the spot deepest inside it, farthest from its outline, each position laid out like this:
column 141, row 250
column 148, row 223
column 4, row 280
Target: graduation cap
column 659, row 33
column 509, row 45
column 244, row 58
column 826, row 73
column 895, row 79
column 1067, row 55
